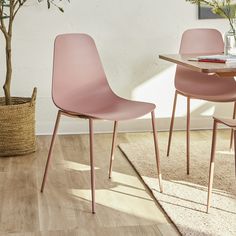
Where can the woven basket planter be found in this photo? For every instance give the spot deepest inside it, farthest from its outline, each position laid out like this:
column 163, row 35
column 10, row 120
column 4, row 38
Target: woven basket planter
column 17, row 126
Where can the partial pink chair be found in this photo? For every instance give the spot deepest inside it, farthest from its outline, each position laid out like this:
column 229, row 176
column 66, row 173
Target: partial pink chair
column 232, row 124
column 80, row 89
column 192, row 84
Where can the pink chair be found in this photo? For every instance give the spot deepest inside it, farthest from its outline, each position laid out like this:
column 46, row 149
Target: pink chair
column 80, row 89
column 232, row 124
column 198, row 85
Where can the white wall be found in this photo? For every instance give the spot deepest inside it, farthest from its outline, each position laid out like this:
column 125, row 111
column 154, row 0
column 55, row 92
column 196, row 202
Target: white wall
column 130, row 34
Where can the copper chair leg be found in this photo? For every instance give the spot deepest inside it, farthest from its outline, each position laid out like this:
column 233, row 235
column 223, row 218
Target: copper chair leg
column 235, row 150
column 113, row 147
column 172, row 123
column 232, row 131
column 156, row 151
column 92, row 164
column 211, row 172
column 50, row 149
column 188, row 135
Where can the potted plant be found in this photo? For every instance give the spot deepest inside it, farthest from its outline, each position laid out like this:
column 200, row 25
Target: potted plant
column 225, row 9
column 17, row 114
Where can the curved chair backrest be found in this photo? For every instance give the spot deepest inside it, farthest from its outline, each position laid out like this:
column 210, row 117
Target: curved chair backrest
column 198, row 41
column 77, row 71
column 201, row 41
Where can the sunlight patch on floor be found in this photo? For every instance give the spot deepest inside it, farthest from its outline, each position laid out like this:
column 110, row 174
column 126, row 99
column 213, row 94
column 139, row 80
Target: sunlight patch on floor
column 126, row 190
column 225, row 152
column 76, row 166
column 118, row 201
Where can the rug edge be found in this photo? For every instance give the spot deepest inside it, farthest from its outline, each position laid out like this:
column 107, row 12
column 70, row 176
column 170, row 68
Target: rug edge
column 151, row 192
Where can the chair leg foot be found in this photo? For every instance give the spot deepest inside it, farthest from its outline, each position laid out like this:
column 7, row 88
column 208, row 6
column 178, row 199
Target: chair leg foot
column 50, row 150
column 156, row 151
column 113, row 147
column 207, row 211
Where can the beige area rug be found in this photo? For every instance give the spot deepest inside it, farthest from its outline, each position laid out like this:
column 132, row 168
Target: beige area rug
column 184, row 198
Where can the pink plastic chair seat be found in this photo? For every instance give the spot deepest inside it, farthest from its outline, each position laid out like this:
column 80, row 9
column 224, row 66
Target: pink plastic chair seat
column 89, row 92
column 201, row 86
column 114, row 109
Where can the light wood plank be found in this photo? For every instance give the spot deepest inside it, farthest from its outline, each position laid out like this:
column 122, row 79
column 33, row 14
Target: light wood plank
column 124, row 205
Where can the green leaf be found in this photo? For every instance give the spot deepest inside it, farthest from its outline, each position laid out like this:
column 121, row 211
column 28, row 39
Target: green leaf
column 5, row 17
column 61, row 9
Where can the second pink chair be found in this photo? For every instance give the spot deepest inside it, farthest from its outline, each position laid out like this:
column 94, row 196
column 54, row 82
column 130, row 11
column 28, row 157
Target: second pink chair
column 192, row 84
column 232, row 124
column 80, row 89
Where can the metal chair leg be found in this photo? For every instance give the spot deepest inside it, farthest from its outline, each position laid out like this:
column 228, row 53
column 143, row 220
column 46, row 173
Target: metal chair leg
column 172, row 123
column 188, row 135
column 232, row 131
column 113, row 147
column 211, row 172
column 156, row 151
column 92, row 164
column 235, row 150
column 50, row 149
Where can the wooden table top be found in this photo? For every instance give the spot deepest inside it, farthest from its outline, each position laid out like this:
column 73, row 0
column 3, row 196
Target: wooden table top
column 221, row 69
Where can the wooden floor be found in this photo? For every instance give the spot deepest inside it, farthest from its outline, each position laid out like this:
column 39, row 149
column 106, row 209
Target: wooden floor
column 124, row 205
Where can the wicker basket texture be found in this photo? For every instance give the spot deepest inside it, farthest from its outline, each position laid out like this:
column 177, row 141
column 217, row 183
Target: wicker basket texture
column 17, row 126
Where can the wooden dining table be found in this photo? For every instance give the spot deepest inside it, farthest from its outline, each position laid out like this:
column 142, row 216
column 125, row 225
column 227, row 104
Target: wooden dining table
column 186, row 60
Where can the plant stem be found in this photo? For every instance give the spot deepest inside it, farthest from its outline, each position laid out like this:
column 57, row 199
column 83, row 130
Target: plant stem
column 7, row 84
column 8, row 38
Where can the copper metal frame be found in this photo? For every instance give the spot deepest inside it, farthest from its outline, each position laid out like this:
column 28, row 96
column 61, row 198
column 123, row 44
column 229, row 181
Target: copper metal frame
column 232, row 131
column 91, row 138
column 113, row 147
column 188, row 128
column 155, row 146
column 91, row 134
column 211, row 172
